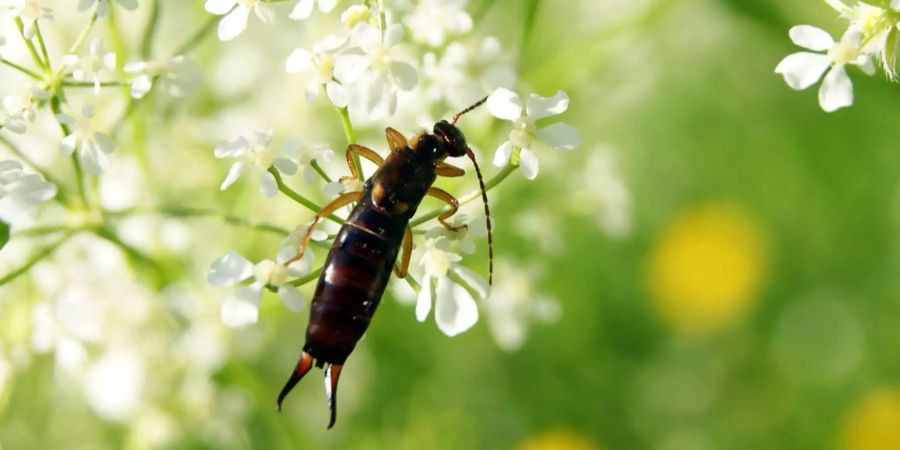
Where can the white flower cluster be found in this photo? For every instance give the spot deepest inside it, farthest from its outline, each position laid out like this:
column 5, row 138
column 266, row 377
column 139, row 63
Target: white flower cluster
column 21, row 192
column 872, row 35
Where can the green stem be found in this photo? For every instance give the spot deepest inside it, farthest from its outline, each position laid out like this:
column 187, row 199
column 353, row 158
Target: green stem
column 490, row 184
column 146, row 48
column 28, row 72
column 293, row 195
column 197, row 37
column 90, row 84
column 314, row 275
column 43, row 231
column 30, row 45
column 43, row 45
column 315, row 165
column 79, row 172
column 350, row 135
column 134, row 254
column 84, row 34
column 381, row 18
column 45, row 253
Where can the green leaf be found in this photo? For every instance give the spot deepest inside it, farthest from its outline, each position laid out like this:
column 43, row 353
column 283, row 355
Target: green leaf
column 4, row 233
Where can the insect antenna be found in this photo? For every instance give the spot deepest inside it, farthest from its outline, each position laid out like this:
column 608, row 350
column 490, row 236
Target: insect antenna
column 487, row 215
column 459, row 114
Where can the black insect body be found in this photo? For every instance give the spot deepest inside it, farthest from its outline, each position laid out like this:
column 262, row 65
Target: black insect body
column 367, row 246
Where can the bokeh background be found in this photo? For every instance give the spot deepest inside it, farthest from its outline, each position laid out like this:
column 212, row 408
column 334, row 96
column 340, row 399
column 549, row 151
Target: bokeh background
column 717, row 267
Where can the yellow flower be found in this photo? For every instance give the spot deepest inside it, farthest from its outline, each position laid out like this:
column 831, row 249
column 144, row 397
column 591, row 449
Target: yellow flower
column 557, row 440
column 874, row 424
column 705, row 269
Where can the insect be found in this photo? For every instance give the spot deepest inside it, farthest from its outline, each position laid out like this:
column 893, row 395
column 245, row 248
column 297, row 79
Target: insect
column 367, row 246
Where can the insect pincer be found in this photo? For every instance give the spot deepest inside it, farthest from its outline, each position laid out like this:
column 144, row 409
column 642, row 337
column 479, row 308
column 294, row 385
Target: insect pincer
column 332, row 373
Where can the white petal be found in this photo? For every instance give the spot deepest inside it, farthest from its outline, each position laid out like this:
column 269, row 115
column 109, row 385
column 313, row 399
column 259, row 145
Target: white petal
column 474, row 281
column 810, row 37
column 232, row 25
column 349, row 67
column 265, row 13
column 229, row 270
column 292, row 298
column 540, row 107
column 219, row 7
column 95, row 161
column 302, row 10
column 312, row 90
column 298, row 61
column 505, row 104
column 836, row 91
column 337, row 94
column 329, row 43
column 802, row 70
column 366, row 37
column 455, row 311
column 130, row 5
column 267, row 184
column 104, row 143
column 233, row 173
column 68, row 144
column 109, row 60
column 327, row 5
column 393, row 35
column 233, row 147
column 423, row 301
column 83, row 5
column 15, row 125
column 560, row 135
column 140, row 86
column 285, row 165
column 501, row 157
column 404, row 75
column 895, row 5
column 529, row 163
column 865, row 63
column 242, row 307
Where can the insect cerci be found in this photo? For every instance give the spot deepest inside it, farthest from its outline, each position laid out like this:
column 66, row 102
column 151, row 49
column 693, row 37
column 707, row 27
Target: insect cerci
column 365, row 249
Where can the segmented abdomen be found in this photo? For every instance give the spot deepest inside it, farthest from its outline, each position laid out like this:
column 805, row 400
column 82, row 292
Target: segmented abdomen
column 353, row 280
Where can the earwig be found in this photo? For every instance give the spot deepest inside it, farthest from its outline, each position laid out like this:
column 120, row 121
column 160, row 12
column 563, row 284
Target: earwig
column 367, row 246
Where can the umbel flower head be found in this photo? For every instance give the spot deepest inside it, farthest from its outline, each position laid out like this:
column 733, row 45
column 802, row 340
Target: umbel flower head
column 803, row 69
column 236, row 13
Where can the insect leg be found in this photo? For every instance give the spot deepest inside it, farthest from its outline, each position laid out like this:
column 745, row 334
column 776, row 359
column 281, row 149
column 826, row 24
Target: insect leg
column 365, row 152
column 449, row 171
column 454, row 206
column 336, row 204
column 403, row 267
column 395, row 139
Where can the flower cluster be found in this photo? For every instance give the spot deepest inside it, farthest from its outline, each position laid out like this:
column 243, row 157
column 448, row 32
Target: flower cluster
column 872, row 36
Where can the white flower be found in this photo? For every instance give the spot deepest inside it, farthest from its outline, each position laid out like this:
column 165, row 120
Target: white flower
column 93, row 147
column 90, row 67
column 322, row 61
column 433, row 20
column 29, row 11
column 513, row 305
column 380, row 69
column 356, row 14
column 525, row 135
column 20, row 192
column 25, row 102
column 455, row 308
column 305, row 155
column 236, row 13
column 113, row 383
column 11, row 119
column 304, row 8
column 103, row 6
column 464, row 238
column 178, row 75
column 242, row 307
column 803, row 69
column 258, row 156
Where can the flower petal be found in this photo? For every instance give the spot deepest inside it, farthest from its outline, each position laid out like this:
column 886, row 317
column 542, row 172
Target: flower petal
column 327, row 5
column 802, row 70
column 285, row 165
column 298, row 61
column 540, row 107
column 242, row 307
column 233, row 147
column 393, row 35
column 229, row 270
column 337, row 94
column 528, row 162
column 455, row 311
column 865, row 63
column 265, row 13
column 232, row 25
column 813, row 38
column 233, row 173
column 404, row 75
column 560, row 135
column 219, row 7
column 501, row 157
column 302, row 10
column 349, row 67
column 267, row 184
column 292, row 298
column 423, row 301
column 836, row 91
column 505, row 104
column 68, row 144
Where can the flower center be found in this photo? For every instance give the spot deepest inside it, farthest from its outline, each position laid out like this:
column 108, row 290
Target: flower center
column 248, row 3
column 522, row 133
column 270, row 272
column 380, row 58
column 261, row 156
column 325, row 67
column 843, row 53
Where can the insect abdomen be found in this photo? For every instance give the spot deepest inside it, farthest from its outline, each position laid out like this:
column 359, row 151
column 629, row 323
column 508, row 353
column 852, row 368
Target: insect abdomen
column 353, row 281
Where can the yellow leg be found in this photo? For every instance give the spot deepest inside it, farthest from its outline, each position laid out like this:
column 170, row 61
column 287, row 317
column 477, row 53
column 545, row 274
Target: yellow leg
column 336, row 204
column 365, row 152
column 395, row 139
column 449, row 171
column 403, row 267
column 454, row 206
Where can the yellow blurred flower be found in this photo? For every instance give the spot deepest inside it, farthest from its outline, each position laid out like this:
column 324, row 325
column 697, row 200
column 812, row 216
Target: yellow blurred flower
column 557, row 440
column 874, row 424
column 706, row 268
